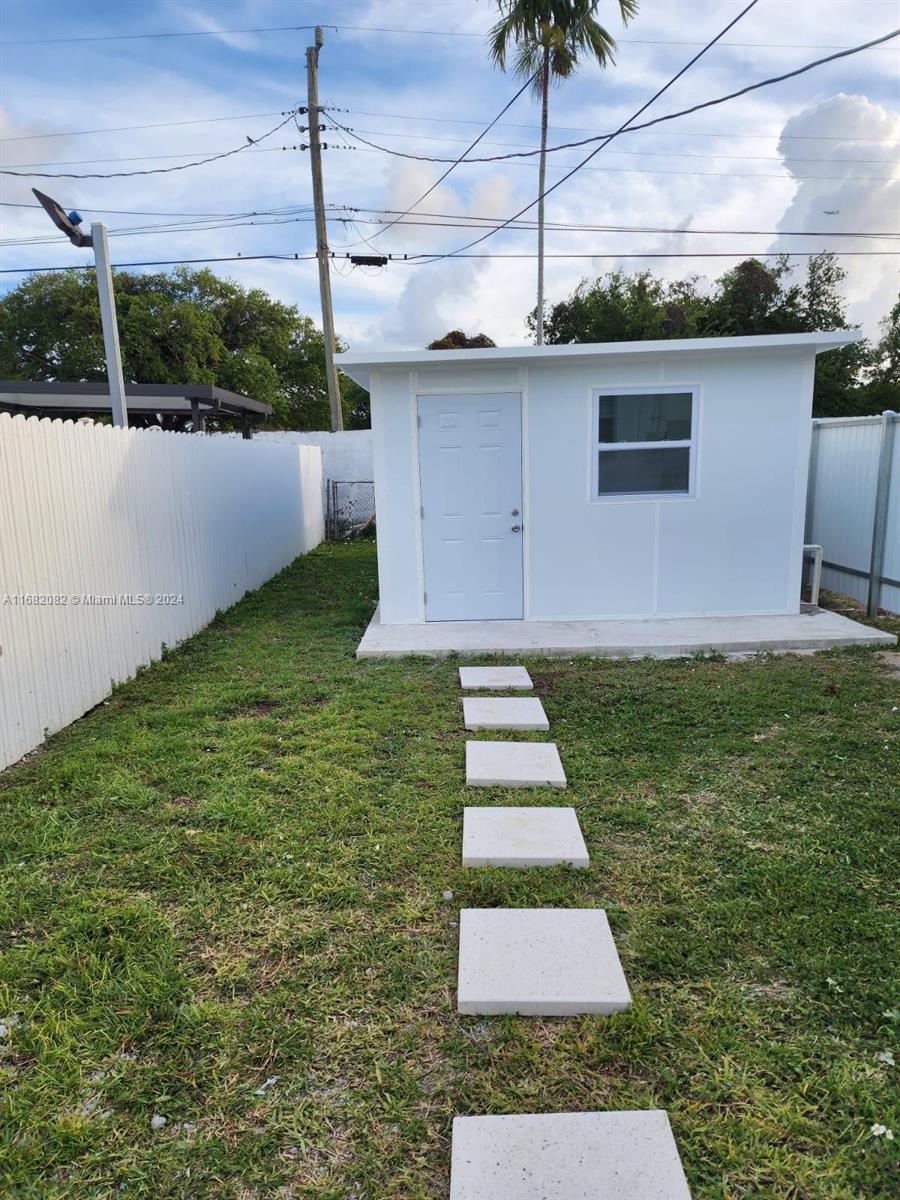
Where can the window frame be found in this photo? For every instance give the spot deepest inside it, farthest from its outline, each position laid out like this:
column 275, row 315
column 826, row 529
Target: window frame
column 596, row 446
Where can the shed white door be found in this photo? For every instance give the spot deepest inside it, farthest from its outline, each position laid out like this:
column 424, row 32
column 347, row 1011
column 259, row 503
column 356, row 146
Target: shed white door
column 470, row 465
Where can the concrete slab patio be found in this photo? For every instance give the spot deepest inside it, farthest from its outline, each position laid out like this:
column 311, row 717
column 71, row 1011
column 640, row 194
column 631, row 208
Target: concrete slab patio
column 651, row 637
column 566, row 1156
column 522, row 837
column 539, row 962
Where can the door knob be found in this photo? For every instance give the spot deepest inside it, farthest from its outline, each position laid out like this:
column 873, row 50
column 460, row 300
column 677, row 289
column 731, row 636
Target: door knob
column 515, row 528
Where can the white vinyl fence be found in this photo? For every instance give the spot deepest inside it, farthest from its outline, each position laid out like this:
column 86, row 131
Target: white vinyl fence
column 117, row 543
column 348, row 493
column 853, row 507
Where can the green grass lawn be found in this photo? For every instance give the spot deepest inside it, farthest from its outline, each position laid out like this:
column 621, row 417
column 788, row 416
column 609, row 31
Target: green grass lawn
column 227, row 902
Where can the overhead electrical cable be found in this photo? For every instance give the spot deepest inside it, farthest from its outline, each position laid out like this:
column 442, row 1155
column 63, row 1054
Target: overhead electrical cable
column 420, row 221
column 639, row 154
column 613, row 170
column 414, row 259
column 527, row 84
column 606, row 138
column 516, row 162
column 432, row 120
column 455, row 33
column 654, row 97
column 349, row 216
column 33, row 137
column 743, row 133
column 168, row 262
column 247, row 145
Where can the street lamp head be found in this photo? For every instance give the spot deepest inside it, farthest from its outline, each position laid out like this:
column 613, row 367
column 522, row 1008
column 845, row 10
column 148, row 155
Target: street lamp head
column 67, row 223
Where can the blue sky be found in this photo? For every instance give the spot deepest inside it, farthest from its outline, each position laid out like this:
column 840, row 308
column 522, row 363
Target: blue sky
column 778, row 160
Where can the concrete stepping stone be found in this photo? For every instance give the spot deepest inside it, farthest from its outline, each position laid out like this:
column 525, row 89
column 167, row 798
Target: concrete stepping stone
column 514, row 764
column 539, row 962
column 504, row 712
column 567, row 1156
column 516, row 679
column 522, row 837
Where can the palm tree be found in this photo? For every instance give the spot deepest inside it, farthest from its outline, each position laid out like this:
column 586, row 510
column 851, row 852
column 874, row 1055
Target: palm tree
column 550, row 37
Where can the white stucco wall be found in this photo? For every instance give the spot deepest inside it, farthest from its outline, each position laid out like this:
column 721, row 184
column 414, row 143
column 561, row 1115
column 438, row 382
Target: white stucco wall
column 733, row 546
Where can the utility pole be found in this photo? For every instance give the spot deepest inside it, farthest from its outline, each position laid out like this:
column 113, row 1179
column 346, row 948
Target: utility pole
column 315, row 162
column 69, row 224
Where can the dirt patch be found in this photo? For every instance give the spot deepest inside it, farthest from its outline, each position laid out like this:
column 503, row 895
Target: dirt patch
column 772, row 731
column 259, row 708
column 702, row 798
column 778, row 989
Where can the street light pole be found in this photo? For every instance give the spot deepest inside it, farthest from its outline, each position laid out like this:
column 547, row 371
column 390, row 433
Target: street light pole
column 110, row 324
column 68, row 223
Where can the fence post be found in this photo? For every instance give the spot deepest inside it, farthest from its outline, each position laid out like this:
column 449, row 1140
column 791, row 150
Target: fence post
column 882, row 498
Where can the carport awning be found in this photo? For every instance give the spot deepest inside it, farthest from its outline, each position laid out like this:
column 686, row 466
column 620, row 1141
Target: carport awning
column 27, row 396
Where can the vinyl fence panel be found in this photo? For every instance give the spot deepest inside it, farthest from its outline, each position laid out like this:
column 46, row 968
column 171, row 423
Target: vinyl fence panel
column 116, row 543
column 844, row 489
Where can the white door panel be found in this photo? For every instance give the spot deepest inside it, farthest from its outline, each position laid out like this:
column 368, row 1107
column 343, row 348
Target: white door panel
column 470, row 465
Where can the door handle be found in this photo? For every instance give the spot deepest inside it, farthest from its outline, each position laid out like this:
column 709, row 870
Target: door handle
column 516, row 528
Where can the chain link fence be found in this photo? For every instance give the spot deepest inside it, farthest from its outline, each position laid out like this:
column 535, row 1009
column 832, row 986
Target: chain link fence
column 349, row 508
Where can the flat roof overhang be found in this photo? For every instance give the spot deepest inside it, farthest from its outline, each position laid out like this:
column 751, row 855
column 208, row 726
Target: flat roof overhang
column 169, row 398
column 358, row 364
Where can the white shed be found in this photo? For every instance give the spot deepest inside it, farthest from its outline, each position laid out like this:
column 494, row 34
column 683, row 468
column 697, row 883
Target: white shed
column 591, row 482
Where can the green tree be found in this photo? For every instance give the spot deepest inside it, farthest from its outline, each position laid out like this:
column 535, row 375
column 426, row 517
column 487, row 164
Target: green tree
column 550, row 37
column 181, row 327
column 457, row 340
column 881, row 389
column 624, row 308
column 752, row 298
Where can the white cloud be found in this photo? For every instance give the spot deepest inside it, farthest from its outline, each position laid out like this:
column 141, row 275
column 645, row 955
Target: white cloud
column 864, row 132
column 431, row 83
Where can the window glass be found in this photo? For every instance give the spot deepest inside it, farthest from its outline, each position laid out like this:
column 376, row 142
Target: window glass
column 651, row 470
column 654, row 417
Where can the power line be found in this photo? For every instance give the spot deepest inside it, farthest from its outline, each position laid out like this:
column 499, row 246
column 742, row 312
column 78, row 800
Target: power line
column 137, row 212
column 527, row 84
column 606, row 138
column 413, row 259
column 154, row 170
column 507, row 161
column 460, row 223
column 170, row 262
column 419, row 259
column 33, row 137
column 157, row 230
column 81, row 162
column 341, row 214
column 578, row 227
column 430, row 137
column 694, row 108
column 456, row 33
column 455, row 217
column 776, row 133
column 25, row 137
column 135, row 37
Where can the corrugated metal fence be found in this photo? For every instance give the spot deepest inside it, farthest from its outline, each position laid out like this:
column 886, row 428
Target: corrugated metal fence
column 853, row 507
column 116, row 543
